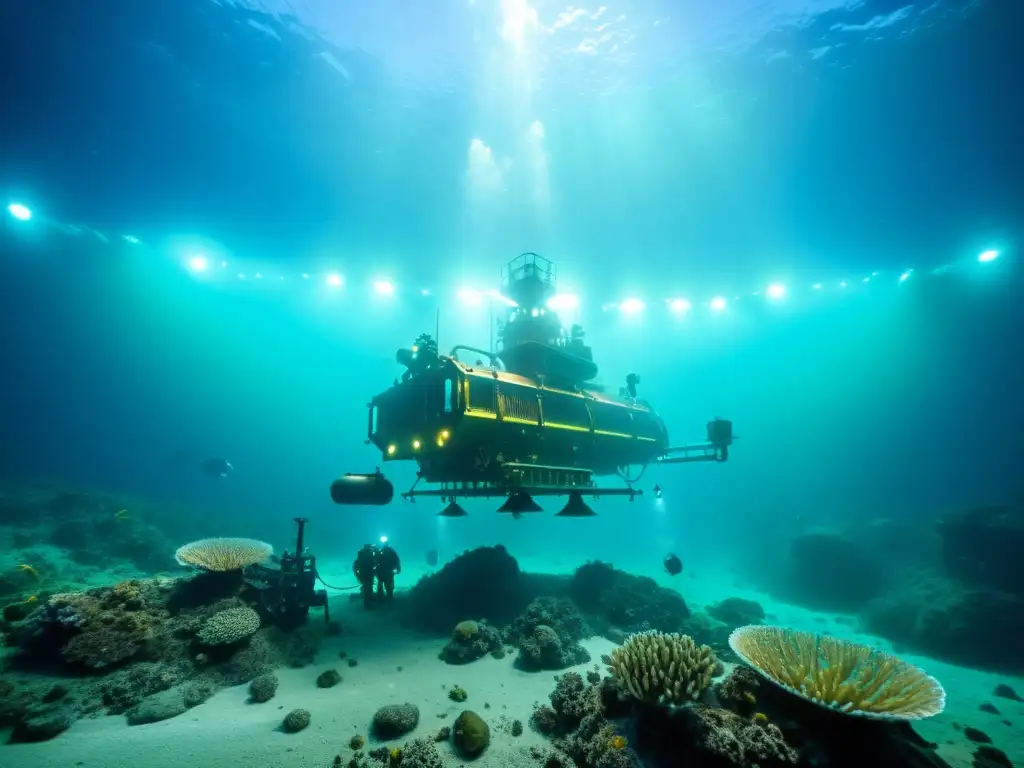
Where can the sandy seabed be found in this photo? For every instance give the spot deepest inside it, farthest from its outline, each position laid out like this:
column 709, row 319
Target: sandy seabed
column 396, row 666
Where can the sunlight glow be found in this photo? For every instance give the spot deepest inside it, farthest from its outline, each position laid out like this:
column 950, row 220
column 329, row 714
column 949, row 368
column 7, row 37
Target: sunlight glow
column 632, row 306
column 384, row 288
column 334, row 281
column 19, row 211
column 471, row 297
column 988, row 256
column 197, row 263
column 718, row 303
column 680, row 306
column 776, row 291
column 518, row 18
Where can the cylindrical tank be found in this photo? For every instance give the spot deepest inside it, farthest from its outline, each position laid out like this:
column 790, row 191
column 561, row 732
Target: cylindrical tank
column 369, row 490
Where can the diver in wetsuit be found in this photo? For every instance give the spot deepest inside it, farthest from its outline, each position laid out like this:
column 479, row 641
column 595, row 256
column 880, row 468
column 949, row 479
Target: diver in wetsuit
column 388, row 565
column 364, row 568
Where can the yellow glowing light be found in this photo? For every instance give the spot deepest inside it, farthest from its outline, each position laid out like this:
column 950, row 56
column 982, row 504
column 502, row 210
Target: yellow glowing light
column 415, row 445
column 391, row 450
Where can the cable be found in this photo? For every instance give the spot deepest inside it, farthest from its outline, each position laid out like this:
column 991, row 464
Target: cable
column 627, row 479
column 338, row 589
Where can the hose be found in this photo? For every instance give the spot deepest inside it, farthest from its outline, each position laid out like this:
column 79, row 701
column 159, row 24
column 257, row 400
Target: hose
column 338, row 589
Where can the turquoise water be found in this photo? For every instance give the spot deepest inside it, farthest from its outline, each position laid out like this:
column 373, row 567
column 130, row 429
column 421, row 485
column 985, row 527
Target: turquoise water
column 800, row 217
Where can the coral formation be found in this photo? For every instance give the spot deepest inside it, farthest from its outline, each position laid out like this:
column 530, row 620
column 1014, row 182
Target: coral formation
column 458, row 693
column 262, row 688
column 159, row 706
column 421, row 753
column 548, row 634
column 660, row 668
column 484, row 582
column 123, row 689
column 840, row 675
column 223, row 554
column 229, row 626
column 721, row 733
column 395, row 720
column 544, row 649
column 588, row 731
column 626, row 602
column 470, row 734
column 101, row 628
column 470, row 641
column 933, row 614
column 328, row 679
column 558, row 613
column 197, row 692
column 296, row 720
column 987, row 756
column 981, row 546
column 739, row 691
column 736, row 612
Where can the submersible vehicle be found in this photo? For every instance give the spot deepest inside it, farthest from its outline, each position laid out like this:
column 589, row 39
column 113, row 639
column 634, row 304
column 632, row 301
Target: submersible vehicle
column 518, row 422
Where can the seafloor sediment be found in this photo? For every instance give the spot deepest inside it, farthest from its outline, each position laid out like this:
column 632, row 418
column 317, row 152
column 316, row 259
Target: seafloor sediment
column 478, row 661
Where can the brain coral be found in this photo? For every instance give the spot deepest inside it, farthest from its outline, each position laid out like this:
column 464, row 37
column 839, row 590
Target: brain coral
column 223, row 554
column 229, row 626
column 840, row 675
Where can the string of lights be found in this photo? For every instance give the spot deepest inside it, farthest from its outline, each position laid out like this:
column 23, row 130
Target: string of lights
column 209, row 267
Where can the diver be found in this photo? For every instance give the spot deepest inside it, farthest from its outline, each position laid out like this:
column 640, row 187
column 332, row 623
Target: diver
column 388, row 565
column 364, row 568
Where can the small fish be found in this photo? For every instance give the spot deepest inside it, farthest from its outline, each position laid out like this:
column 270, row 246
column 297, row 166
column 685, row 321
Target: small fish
column 431, row 557
column 122, row 514
column 217, row 467
column 28, row 569
column 673, row 565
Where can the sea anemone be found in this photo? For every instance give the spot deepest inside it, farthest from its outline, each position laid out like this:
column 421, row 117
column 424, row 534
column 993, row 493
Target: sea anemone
column 840, row 675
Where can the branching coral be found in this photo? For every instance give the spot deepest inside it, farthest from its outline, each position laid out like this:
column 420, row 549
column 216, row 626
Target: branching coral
column 840, row 675
column 660, row 668
column 220, row 555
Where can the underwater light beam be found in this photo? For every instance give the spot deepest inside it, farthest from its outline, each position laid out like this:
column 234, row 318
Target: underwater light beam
column 632, row 306
column 197, row 263
column 986, row 256
column 718, row 303
column 776, row 291
column 471, row 297
column 384, row 288
column 563, row 301
column 334, row 281
column 679, row 306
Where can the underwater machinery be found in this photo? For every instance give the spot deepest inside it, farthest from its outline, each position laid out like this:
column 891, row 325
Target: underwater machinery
column 519, row 422
column 285, row 589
